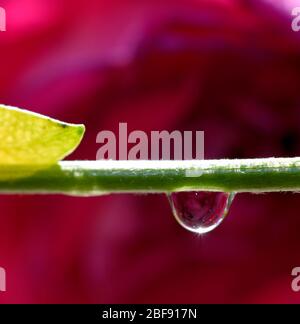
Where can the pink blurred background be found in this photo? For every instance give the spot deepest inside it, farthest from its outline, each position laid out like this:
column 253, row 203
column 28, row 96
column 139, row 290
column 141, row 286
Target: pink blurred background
column 230, row 68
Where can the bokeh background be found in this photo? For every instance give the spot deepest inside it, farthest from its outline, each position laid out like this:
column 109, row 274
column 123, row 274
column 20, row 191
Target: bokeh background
column 230, row 68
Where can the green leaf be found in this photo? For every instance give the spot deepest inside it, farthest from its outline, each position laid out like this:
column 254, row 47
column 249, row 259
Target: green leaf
column 28, row 138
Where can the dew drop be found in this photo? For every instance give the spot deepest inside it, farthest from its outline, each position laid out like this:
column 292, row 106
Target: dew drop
column 200, row 211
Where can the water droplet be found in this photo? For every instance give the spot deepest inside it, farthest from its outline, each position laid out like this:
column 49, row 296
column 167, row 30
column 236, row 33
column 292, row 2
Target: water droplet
column 200, row 211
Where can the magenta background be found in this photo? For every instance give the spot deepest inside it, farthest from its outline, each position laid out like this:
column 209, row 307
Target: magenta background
column 230, row 68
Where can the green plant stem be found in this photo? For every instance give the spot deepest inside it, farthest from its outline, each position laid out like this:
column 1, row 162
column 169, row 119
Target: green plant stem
column 86, row 178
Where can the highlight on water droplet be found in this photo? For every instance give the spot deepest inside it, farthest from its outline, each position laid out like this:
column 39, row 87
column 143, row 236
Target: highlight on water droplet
column 200, row 211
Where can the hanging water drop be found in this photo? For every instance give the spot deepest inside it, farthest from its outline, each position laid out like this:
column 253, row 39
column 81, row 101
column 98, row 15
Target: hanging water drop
column 200, row 211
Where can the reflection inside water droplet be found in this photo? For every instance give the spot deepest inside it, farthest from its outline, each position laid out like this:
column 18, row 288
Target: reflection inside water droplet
column 200, row 211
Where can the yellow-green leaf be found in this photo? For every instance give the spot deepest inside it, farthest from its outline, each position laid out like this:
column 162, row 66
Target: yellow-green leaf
column 28, row 138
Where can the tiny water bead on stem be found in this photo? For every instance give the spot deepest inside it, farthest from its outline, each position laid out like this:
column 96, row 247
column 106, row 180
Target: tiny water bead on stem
column 200, row 211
